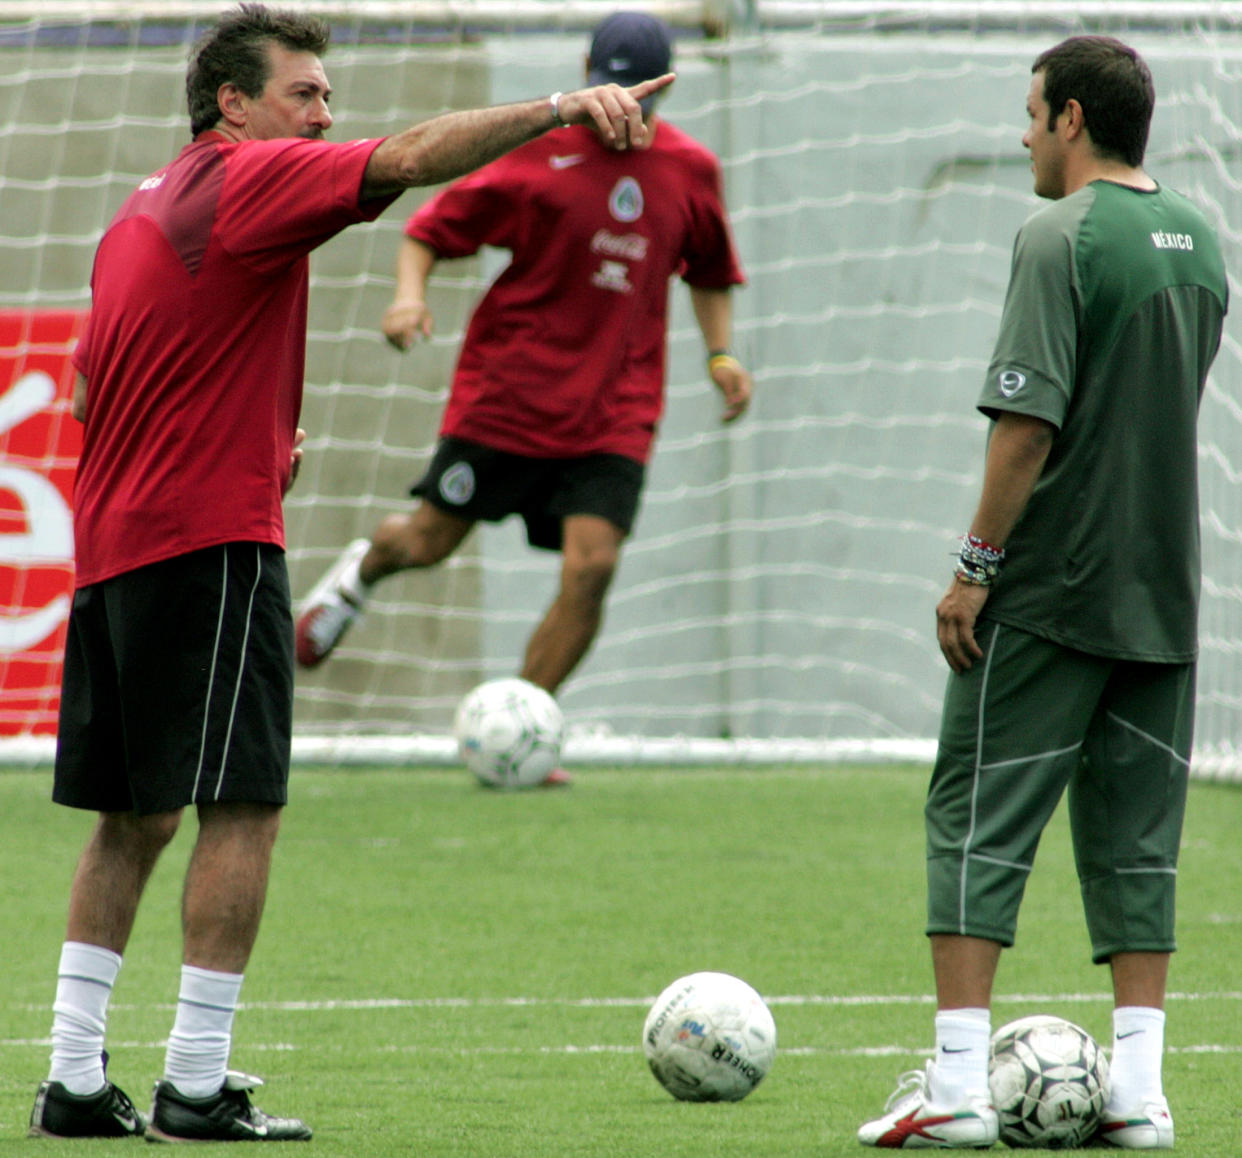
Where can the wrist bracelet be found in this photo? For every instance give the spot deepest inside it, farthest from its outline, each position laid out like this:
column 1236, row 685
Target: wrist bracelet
column 555, row 102
column 978, row 544
column 974, row 578
column 979, row 562
column 722, row 358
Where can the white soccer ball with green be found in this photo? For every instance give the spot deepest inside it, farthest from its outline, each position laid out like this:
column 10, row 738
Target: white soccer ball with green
column 709, row 1037
column 1049, row 1083
column 509, row 733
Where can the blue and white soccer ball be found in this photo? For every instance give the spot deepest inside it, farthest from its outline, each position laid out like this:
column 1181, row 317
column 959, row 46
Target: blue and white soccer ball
column 509, row 733
column 1049, row 1083
column 709, row 1037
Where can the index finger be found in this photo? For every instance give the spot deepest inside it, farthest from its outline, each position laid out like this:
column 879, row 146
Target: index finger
column 646, row 87
column 951, row 649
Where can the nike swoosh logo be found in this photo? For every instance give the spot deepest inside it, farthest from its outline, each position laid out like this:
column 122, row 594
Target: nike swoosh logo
column 1132, row 1033
column 946, row 1049
column 566, row 161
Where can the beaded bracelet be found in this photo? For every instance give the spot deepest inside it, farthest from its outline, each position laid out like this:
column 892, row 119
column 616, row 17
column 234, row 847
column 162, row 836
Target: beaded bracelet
column 979, row 562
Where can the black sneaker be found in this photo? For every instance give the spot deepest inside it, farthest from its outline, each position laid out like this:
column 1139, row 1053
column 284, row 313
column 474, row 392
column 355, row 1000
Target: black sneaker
column 108, row 1114
column 227, row 1116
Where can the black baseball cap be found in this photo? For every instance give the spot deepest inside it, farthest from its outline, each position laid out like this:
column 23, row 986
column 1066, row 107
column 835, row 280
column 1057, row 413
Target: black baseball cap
column 627, row 48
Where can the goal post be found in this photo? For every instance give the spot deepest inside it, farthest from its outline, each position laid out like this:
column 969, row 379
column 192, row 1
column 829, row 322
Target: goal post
column 775, row 602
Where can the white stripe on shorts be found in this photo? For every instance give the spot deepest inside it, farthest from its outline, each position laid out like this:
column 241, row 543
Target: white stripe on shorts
column 974, row 788
column 211, row 679
column 211, row 676
column 1149, row 738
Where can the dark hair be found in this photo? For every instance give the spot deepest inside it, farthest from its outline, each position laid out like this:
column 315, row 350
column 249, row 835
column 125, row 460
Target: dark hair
column 1111, row 83
column 234, row 51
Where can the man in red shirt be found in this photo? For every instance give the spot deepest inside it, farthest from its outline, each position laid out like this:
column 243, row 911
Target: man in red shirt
column 559, row 387
column 179, row 659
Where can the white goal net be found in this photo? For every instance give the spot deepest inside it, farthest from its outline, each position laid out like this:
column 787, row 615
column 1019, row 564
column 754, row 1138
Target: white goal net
column 776, row 600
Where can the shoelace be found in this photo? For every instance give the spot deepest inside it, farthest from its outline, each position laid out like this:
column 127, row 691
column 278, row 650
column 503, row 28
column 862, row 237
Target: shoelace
column 909, row 1083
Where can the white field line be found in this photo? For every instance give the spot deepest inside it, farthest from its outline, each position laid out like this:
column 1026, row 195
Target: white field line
column 879, row 999
column 383, row 1003
column 523, row 1051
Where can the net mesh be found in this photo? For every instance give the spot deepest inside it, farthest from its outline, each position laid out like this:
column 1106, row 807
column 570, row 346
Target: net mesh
column 775, row 601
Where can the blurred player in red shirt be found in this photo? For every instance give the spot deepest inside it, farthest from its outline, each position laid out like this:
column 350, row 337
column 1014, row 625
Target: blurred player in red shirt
column 559, row 386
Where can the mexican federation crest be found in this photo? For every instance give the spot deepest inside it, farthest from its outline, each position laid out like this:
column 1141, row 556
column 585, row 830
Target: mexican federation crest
column 625, row 202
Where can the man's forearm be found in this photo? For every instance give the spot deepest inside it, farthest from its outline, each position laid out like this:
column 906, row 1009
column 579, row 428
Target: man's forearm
column 448, row 146
column 454, row 144
column 713, row 310
column 415, row 261
column 1017, row 452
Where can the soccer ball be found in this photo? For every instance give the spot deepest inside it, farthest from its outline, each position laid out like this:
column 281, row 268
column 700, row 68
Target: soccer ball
column 509, row 733
column 709, row 1038
column 1049, row 1083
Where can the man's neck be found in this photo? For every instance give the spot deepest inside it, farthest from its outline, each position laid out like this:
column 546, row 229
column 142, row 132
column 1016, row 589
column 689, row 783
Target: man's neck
column 1119, row 173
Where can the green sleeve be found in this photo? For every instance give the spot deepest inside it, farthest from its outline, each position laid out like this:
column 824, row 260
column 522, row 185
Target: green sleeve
column 1033, row 364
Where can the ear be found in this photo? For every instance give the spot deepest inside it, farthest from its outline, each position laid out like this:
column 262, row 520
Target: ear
column 232, row 102
column 1073, row 120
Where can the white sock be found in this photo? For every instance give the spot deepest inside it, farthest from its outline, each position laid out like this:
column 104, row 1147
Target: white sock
column 961, row 1066
column 202, row 1033
column 351, row 585
column 1138, row 1053
column 84, row 982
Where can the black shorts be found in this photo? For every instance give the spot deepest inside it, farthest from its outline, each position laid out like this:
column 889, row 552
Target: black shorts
column 178, row 685
column 476, row 482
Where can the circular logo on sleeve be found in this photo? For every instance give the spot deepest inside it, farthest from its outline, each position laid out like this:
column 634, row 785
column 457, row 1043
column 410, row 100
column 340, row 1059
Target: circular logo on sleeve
column 1010, row 382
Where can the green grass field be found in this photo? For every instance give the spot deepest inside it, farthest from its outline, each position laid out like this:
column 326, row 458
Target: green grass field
column 447, row 971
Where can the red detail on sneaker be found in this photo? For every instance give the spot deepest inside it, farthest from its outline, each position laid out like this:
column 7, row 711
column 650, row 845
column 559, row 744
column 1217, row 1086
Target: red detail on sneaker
column 911, row 1127
column 557, row 778
column 307, row 650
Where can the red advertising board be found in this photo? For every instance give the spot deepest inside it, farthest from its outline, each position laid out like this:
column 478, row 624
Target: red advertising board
column 39, row 446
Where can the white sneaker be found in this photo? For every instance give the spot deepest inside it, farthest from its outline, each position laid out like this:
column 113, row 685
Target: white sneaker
column 911, row 1122
column 328, row 610
column 1149, row 1127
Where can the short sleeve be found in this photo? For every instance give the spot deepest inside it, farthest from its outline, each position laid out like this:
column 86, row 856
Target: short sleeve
column 481, row 209
column 285, row 197
column 710, row 258
column 1033, row 363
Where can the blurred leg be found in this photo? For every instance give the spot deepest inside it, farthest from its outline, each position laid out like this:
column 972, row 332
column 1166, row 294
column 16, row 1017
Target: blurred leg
column 591, row 550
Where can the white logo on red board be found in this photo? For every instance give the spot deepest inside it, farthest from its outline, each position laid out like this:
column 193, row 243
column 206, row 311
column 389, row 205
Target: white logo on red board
column 48, row 536
column 40, row 443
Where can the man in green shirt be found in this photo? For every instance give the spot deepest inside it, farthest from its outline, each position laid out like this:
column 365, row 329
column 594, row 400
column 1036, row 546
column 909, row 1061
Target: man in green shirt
column 1070, row 622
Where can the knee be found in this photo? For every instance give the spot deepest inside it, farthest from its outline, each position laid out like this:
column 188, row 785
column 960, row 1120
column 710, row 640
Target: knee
column 241, row 817
column 588, row 576
column 139, row 838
